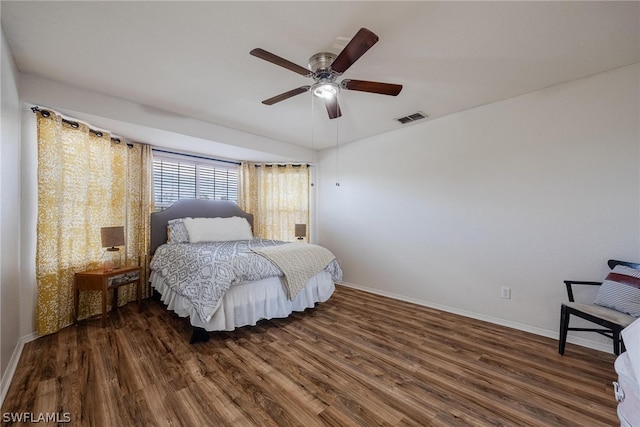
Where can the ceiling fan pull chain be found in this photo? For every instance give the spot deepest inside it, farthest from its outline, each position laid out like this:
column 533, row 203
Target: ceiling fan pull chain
column 313, row 135
column 337, row 158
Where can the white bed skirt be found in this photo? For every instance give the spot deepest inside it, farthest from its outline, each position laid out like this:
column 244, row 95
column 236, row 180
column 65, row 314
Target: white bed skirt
column 246, row 303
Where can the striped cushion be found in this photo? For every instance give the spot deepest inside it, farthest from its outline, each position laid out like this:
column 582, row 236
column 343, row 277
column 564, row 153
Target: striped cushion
column 621, row 291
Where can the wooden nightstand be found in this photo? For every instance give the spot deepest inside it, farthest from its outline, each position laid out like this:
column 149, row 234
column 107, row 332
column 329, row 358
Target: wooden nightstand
column 100, row 280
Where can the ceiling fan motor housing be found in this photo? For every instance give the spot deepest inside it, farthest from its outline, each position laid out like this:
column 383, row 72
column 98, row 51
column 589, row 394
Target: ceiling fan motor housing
column 320, row 64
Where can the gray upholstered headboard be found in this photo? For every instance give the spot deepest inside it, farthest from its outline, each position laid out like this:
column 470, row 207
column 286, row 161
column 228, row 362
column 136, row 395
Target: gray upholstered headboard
column 194, row 208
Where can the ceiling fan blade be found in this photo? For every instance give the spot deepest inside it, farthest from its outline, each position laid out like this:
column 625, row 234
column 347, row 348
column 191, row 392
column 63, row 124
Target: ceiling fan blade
column 373, row 87
column 275, row 59
column 359, row 44
column 332, row 107
column 286, row 95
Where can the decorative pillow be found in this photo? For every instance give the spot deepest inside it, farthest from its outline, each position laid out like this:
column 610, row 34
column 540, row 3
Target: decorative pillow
column 218, row 229
column 177, row 231
column 621, row 290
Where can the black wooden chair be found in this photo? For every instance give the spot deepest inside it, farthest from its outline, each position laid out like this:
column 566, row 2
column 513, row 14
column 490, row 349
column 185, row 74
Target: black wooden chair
column 612, row 322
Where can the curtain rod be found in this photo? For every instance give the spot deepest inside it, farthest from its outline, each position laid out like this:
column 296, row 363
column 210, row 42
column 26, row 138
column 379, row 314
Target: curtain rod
column 76, row 125
column 280, row 165
column 196, row 156
column 221, row 160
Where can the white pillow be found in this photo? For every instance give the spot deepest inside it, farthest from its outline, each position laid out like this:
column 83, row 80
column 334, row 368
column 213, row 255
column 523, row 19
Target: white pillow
column 218, row 229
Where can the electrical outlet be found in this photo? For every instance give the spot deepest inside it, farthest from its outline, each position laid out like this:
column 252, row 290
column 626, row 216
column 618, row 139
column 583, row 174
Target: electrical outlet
column 505, row 292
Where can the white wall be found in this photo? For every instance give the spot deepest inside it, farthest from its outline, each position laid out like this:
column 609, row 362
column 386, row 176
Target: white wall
column 522, row 193
column 29, row 222
column 152, row 126
column 9, row 209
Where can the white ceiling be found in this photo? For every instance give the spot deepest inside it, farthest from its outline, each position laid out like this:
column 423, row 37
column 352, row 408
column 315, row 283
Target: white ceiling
column 192, row 58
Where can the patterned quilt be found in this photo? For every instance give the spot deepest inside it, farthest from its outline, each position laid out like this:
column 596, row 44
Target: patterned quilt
column 202, row 272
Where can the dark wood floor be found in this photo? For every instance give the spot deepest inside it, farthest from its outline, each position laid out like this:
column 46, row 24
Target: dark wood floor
column 358, row 359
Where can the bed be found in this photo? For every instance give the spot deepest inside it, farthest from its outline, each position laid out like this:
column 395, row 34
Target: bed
column 224, row 285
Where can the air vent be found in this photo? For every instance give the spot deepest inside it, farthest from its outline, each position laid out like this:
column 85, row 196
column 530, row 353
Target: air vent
column 412, row 117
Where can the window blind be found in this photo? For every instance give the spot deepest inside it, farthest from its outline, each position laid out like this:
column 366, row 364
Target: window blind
column 177, row 177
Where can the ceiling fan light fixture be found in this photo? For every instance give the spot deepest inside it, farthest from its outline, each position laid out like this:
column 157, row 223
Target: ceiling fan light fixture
column 326, row 90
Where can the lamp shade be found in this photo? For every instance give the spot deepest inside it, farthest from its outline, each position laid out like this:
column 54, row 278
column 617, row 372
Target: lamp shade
column 301, row 230
column 112, row 236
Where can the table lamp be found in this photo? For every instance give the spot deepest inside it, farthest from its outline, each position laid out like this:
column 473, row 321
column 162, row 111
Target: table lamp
column 111, row 238
column 301, row 231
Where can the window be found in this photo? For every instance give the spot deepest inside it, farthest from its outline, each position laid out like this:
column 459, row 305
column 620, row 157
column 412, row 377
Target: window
column 178, row 177
column 278, row 197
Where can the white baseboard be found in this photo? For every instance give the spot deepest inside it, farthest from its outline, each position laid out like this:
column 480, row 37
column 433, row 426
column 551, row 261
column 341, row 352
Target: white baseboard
column 515, row 325
column 13, row 364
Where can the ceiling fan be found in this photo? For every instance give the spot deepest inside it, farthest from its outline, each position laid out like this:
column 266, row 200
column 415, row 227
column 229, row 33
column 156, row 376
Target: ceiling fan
column 325, row 68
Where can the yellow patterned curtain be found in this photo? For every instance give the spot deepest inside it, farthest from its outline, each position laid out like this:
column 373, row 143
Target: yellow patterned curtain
column 139, row 199
column 85, row 181
column 277, row 196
